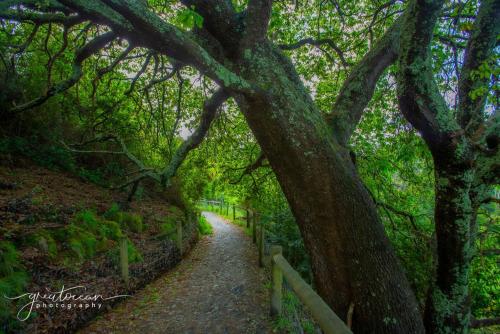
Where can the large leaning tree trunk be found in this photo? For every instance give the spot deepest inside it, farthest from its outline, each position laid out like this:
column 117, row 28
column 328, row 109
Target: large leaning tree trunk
column 464, row 146
column 352, row 259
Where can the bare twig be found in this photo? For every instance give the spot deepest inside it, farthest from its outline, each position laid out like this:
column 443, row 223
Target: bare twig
column 318, row 43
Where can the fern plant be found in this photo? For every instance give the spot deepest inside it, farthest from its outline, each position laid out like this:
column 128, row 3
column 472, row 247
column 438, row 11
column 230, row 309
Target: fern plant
column 13, row 280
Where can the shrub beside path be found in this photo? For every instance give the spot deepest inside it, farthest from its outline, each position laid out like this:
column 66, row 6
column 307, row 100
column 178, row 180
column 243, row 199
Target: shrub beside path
column 217, row 288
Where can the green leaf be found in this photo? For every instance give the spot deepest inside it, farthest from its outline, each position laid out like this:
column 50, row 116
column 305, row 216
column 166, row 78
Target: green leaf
column 188, row 18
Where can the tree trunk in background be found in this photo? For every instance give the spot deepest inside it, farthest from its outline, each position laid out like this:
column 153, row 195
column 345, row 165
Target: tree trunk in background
column 463, row 143
column 448, row 305
column 352, row 259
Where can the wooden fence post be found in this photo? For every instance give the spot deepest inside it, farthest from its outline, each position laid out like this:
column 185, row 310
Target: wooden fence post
column 124, row 261
column 261, row 244
column 254, row 228
column 248, row 218
column 179, row 236
column 276, row 284
column 234, row 213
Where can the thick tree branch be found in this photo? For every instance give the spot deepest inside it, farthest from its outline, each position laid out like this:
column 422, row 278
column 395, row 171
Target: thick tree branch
column 479, row 49
column 418, row 93
column 133, row 20
column 46, row 5
column 38, row 12
column 209, row 112
column 358, row 89
column 220, row 20
column 39, row 19
column 486, row 141
column 257, row 18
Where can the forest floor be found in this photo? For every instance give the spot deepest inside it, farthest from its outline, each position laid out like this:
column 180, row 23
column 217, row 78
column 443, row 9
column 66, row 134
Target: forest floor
column 217, row 288
column 25, row 191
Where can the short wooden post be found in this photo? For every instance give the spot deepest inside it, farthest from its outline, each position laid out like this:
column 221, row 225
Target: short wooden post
column 124, row 261
column 179, row 236
column 234, row 213
column 248, row 218
column 261, row 245
column 254, row 228
column 276, row 284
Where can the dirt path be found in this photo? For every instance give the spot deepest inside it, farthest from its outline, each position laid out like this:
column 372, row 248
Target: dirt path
column 217, row 288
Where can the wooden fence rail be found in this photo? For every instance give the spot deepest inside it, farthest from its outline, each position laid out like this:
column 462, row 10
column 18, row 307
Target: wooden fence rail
column 328, row 321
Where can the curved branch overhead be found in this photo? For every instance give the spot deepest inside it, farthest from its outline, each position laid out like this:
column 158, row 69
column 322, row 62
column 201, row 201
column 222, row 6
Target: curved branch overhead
column 81, row 54
column 478, row 51
column 208, row 114
column 346, row 112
